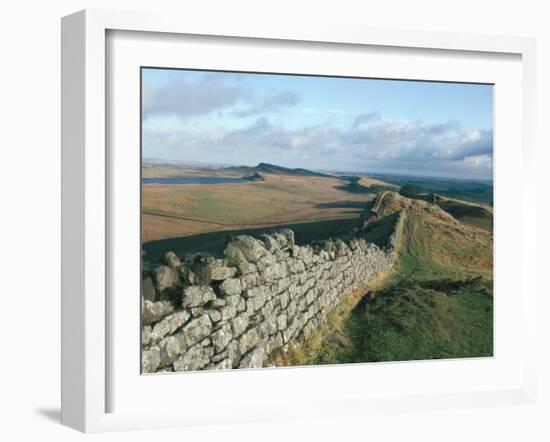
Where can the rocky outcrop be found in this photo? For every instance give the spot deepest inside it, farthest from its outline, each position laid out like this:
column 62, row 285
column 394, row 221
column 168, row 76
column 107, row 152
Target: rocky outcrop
column 389, row 202
column 266, row 294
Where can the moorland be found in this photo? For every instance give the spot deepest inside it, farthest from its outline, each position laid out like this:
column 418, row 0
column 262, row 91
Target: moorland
column 437, row 302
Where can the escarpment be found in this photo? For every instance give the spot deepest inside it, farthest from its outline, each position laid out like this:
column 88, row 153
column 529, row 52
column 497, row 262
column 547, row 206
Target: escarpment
column 265, row 294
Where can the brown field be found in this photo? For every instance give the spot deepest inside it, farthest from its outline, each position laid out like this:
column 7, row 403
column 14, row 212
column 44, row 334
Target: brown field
column 367, row 182
column 189, row 209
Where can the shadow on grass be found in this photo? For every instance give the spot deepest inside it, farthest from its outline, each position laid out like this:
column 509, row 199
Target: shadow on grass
column 213, row 243
column 359, row 205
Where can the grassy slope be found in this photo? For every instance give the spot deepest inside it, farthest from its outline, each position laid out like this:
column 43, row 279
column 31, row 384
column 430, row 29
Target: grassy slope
column 437, row 303
column 469, row 213
column 171, row 211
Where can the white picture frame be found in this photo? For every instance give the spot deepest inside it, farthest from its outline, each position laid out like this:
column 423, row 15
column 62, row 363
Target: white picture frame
column 86, row 211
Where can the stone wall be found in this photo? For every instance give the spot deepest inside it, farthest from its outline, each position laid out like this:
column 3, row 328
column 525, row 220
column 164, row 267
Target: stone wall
column 266, row 294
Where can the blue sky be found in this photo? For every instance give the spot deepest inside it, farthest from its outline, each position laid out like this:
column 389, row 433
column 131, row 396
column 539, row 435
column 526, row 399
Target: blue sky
column 321, row 123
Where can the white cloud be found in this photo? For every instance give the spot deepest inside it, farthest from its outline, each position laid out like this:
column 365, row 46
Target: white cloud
column 184, row 99
column 406, row 146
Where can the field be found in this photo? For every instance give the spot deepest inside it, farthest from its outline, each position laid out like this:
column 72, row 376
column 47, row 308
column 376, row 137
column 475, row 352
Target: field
column 171, row 213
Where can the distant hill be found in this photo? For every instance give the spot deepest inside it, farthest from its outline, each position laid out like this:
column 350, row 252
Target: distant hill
column 365, row 184
column 272, row 169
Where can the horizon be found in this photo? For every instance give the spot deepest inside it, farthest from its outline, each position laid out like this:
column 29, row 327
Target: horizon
column 399, row 127
column 216, row 166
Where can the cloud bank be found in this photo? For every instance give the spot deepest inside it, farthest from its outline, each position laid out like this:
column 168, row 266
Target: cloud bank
column 246, row 128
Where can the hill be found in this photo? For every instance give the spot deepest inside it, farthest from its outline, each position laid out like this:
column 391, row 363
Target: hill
column 365, row 184
column 437, row 302
column 477, row 215
column 271, row 169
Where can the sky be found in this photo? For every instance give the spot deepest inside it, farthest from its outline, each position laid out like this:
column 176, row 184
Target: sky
column 321, row 123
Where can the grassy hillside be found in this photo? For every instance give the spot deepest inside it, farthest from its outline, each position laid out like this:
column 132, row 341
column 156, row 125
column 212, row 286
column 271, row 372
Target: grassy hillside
column 437, row 303
column 469, row 213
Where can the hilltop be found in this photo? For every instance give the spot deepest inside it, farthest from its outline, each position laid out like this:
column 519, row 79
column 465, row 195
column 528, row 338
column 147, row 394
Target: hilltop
column 272, row 169
column 388, row 202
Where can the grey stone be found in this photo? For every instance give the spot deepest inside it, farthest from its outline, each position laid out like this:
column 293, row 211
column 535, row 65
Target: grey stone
column 254, row 359
column 222, row 337
column 248, row 340
column 145, row 335
column 230, row 287
column 267, row 309
column 284, row 300
column 221, row 273
column 274, row 272
column 170, row 348
column 269, row 326
column 197, row 329
column 282, row 321
column 171, row 260
column 215, row 315
column 270, row 243
column 255, row 303
column 255, row 291
column 297, row 267
column 196, row 311
column 289, row 235
column 195, row 358
column 154, row 311
column 217, row 303
column 197, row 296
column 265, row 261
column 233, row 300
column 242, row 305
column 206, row 268
column 228, row 312
column 169, row 325
column 224, row 364
column 165, row 277
column 250, row 248
column 147, row 289
column 239, row 325
column 235, row 257
column 150, row 360
column 249, row 280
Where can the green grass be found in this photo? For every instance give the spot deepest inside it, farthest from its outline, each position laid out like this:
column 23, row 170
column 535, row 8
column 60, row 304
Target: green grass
column 411, row 322
column 380, row 231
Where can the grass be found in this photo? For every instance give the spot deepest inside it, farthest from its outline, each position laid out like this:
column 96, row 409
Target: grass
column 437, row 303
column 170, row 211
column 473, row 215
column 411, row 322
column 380, row 231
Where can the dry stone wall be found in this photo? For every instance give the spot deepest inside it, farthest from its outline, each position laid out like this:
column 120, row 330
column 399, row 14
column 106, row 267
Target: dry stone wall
column 266, row 294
